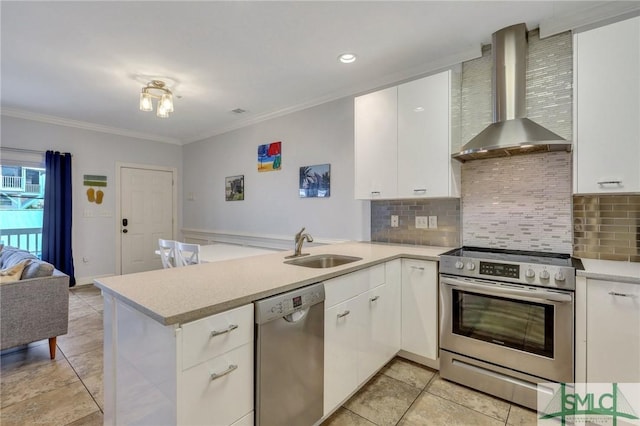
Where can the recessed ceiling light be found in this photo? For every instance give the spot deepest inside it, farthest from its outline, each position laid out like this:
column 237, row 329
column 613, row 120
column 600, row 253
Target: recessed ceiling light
column 347, row 58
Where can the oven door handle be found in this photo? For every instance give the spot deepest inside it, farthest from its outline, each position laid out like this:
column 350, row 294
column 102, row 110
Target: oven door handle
column 502, row 291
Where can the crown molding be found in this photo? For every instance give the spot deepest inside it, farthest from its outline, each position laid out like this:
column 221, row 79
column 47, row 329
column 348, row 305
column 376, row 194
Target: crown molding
column 386, row 81
column 84, row 125
column 600, row 13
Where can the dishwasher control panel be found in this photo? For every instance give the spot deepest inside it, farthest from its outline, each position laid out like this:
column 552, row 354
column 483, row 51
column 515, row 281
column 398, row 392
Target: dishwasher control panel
column 286, row 303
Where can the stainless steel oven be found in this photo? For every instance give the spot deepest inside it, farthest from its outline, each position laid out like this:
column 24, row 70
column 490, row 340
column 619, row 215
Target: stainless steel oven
column 507, row 321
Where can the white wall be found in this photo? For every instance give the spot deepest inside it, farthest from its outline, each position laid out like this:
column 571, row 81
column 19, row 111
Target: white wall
column 272, row 206
column 96, row 153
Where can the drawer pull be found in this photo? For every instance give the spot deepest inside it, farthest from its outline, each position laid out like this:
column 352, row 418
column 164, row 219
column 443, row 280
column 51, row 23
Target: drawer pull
column 375, row 192
column 420, row 190
column 613, row 293
column 231, row 368
column 373, row 299
column 215, row 333
column 419, row 268
column 610, row 182
column 344, row 314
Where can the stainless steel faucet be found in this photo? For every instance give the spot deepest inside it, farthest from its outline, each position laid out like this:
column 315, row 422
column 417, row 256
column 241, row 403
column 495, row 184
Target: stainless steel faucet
column 299, row 240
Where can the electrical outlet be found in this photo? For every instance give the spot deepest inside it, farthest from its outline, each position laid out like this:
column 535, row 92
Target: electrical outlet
column 422, row 222
column 394, row 220
column 433, row 222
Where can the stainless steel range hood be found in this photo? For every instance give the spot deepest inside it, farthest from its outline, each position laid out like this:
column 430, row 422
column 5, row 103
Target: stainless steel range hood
column 511, row 132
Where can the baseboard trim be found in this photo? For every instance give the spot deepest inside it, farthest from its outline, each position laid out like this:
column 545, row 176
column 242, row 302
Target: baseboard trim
column 82, row 281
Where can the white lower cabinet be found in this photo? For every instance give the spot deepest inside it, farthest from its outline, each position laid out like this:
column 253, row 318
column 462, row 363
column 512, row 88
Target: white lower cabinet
column 340, row 353
column 609, row 341
column 420, row 308
column 362, row 333
column 219, row 390
column 200, row 373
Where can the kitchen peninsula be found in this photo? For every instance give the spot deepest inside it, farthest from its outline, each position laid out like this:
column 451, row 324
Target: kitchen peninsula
column 160, row 359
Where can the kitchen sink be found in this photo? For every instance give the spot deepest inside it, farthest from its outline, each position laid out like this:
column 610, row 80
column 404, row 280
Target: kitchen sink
column 323, row 260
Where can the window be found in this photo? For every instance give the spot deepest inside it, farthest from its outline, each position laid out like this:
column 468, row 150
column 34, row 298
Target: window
column 21, row 206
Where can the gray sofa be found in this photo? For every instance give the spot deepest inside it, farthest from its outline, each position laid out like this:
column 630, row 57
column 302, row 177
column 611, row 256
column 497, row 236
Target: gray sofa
column 37, row 306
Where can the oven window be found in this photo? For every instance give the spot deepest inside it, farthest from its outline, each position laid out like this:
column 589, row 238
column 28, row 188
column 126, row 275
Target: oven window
column 517, row 324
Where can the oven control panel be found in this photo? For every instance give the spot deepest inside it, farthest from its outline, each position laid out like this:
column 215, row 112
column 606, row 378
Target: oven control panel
column 516, row 272
column 500, row 269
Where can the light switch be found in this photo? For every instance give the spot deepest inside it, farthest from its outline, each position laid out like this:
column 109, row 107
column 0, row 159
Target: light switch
column 394, row 220
column 433, row 222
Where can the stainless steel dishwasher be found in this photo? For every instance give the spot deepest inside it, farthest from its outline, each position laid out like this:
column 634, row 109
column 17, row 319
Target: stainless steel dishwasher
column 290, row 357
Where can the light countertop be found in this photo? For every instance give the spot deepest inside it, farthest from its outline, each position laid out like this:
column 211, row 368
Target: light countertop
column 610, row 270
column 180, row 295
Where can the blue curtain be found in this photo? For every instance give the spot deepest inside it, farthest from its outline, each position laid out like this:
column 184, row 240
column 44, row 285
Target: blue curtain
column 56, row 221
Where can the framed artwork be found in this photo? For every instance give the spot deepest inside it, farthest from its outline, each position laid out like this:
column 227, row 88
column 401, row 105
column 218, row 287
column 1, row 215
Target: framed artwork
column 315, row 181
column 234, row 188
column 270, row 157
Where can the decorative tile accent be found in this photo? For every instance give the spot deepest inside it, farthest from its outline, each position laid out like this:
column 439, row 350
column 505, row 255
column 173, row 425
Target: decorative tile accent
column 550, row 82
column 549, row 86
column 607, row 227
column 446, row 235
column 522, row 202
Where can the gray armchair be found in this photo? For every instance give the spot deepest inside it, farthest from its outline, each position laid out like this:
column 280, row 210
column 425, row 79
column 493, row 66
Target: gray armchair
column 33, row 309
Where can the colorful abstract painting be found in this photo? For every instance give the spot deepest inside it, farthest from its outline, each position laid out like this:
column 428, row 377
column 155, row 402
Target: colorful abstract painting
column 315, row 181
column 234, row 188
column 270, row 157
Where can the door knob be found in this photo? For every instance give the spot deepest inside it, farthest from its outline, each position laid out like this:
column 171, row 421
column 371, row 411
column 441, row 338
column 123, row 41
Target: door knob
column 124, row 231
column 125, row 222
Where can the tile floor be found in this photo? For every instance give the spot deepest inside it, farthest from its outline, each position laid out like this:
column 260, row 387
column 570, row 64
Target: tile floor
column 68, row 391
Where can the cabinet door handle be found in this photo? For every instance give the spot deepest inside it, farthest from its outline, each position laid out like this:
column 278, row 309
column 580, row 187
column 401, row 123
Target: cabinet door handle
column 215, row 376
column 344, row 314
column 610, row 182
column 613, row 293
column 420, row 190
column 215, row 333
column 373, row 299
column 375, row 192
column 419, row 268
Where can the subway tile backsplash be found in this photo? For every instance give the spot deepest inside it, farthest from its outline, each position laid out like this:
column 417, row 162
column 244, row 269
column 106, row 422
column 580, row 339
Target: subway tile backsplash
column 447, row 234
column 607, row 227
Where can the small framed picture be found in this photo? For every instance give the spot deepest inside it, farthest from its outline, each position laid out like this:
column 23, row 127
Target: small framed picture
column 270, row 157
column 234, row 188
column 315, row 181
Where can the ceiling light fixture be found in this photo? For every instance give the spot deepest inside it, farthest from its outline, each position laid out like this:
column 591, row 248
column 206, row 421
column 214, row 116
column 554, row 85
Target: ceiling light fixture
column 156, row 89
column 347, row 58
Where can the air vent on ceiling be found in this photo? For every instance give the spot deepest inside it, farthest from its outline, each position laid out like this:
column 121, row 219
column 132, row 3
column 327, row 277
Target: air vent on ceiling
column 238, row 110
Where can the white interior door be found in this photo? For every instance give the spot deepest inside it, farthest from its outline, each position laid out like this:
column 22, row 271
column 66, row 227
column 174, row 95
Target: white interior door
column 146, row 214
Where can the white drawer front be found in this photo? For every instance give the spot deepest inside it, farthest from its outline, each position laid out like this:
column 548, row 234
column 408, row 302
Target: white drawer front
column 220, row 401
column 345, row 287
column 235, row 327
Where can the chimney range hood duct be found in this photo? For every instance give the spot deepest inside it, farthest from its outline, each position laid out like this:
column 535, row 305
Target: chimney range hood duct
column 511, row 133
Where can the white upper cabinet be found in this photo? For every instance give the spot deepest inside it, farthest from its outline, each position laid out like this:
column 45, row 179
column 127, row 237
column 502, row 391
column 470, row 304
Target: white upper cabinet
column 424, row 156
column 607, row 109
column 403, row 141
column 376, row 135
